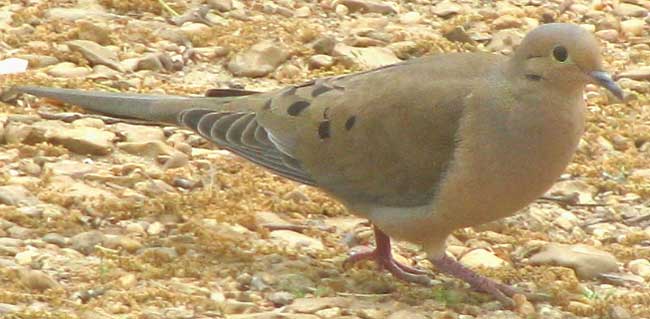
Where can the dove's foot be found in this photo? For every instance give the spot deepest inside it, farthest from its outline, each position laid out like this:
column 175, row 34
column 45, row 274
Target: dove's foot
column 501, row 292
column 383, row 256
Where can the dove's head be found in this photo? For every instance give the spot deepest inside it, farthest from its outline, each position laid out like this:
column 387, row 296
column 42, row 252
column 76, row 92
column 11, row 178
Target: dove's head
column 563, row 55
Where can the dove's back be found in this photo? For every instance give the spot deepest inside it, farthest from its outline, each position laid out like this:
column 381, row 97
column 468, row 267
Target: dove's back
column 382, row 137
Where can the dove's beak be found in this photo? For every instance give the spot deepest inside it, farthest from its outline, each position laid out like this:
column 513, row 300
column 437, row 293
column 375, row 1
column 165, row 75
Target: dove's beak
column 603, row 79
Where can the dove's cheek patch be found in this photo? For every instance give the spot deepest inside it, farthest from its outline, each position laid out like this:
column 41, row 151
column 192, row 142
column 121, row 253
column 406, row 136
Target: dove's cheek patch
column 324, row 129
column 297, row 107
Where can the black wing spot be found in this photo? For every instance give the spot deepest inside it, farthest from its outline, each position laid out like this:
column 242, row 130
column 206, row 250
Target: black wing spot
column 350, row 122
column 267, row 104
column 290, row 91
column 297, row 107
column 320, row 89
column 534, row 77
column 324, row 129
column 326, row 113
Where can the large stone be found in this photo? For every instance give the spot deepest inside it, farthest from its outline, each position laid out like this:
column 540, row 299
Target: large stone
column 68, row 70
column 640, row 74
column 482, row 258
column 151, row 149
column 581, row 191
column 6, row 308
column 153, row 62
column 95, row 53
column 311, row 305
column 320, row 61
column 38, row 60
column 75, row 14
column 412, row 17
column 259, row 60
column 13, row 66
column 506, row 22
column 297, row 240
column 368, row 6
column 220, row 5
column 640, row 267
column 93, row 31
column 324, row 45
column 140, row 133
column 447, row 9
column 36, row 279
column 630, row 10
column 103, row 72
column 80, row 191
column 365, row 58
column 504, row 40
column 83, row 140
column 633, row 27
column 281, row 298
column 588, row 262
column 266, row 218
column 6, row 17
column 16, row 195
column 609, row 35
column 85, row 242
column 74, row 169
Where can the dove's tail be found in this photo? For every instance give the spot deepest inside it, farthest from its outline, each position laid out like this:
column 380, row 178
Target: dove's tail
column 156, row 108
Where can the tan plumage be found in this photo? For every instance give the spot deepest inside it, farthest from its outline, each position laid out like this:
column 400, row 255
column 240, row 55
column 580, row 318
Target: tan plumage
column 420, row 148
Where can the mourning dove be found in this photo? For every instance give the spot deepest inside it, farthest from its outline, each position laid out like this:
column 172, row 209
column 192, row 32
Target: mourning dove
column 420, row 148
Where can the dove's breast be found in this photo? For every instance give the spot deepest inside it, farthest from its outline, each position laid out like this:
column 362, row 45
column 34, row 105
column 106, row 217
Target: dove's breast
column 512, row 158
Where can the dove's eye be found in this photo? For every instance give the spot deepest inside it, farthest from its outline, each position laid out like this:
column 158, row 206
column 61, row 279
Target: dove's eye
column 560, row 53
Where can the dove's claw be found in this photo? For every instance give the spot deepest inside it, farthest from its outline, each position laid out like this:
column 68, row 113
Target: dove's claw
column 499, row 291
column 383, row 256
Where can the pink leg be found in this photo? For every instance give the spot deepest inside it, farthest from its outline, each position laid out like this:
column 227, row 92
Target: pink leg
column 499, row 291
column 383, row 256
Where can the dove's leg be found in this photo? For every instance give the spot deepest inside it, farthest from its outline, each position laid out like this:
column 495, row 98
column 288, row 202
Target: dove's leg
column 501, row 292
column 383, row 256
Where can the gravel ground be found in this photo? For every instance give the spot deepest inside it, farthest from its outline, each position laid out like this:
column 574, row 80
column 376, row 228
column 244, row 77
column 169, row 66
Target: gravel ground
column 106, row 218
